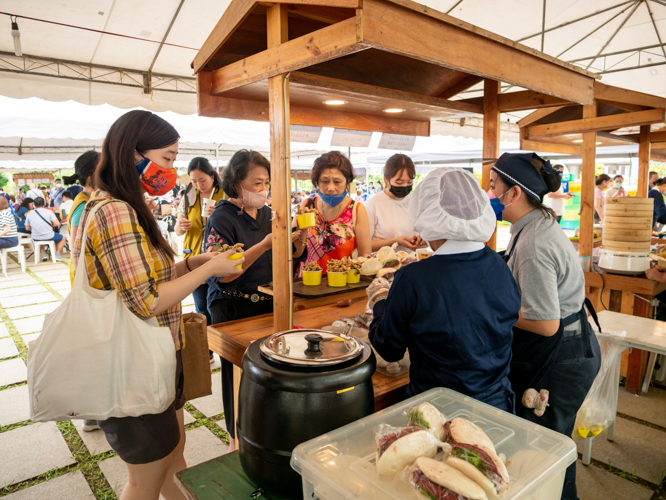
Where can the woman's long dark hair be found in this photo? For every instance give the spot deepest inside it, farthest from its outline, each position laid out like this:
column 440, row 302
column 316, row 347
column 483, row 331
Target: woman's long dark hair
column 116, row 171
column 203, row 165
column 26, row 203
column 84, row 169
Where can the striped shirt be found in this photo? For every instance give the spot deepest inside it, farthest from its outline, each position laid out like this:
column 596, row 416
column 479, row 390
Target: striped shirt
column 7, row 219
column 119, row 255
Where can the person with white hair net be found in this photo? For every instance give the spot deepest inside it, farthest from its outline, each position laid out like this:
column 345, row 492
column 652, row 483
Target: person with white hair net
column 455, row 310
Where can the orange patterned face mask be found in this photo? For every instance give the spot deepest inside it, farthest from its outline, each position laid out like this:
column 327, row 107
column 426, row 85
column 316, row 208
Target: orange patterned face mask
column 157, row 181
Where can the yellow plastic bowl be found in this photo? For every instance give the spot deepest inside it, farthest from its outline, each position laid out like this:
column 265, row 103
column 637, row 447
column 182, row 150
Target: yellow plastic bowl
column 353, row 277
column 306, row 220
column 312, row 278
column 237, row 256
column 337, row 279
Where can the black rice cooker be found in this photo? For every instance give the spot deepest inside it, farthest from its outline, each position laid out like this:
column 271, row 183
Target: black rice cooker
column 297, row 385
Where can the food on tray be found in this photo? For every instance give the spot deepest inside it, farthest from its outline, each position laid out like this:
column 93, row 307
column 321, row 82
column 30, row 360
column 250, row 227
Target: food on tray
column 385, row 253
column 337, row 266
column 428, row 417
column 312, row 267
column 387, row 273
column 436, row 480
column 474, row 455
column 461, row 430
column 300, row 210
column 370, row 267
column 238, row 247
column 353, row 264
column 397, row 448
column 406, row 257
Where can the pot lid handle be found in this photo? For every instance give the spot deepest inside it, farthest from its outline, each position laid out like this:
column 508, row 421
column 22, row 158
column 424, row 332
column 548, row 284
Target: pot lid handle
column 313, row 340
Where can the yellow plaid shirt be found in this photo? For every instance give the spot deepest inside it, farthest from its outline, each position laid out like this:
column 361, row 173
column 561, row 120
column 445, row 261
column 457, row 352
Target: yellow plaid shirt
column 119, row 255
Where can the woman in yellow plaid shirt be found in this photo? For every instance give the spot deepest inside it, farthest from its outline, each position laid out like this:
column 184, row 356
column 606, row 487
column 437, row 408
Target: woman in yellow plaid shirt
column 124, row 250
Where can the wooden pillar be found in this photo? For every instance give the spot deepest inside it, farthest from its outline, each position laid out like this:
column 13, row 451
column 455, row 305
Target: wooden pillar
column 491, row 136
column 644, row 150
column 278, row 108
column 587, row 187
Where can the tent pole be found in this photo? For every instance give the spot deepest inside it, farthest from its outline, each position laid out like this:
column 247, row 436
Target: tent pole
column 278, row 110
column 491, row 136
column 644, row 150
column 587, row 188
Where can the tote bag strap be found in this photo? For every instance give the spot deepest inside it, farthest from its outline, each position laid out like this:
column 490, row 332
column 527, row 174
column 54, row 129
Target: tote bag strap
column 80, row 280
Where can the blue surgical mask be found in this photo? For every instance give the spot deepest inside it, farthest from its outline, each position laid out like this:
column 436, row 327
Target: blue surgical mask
column 498, row 206
column 332, row 201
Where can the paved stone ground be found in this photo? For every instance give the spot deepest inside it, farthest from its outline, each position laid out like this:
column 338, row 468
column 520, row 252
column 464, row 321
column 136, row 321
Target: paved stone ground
column 61, row 461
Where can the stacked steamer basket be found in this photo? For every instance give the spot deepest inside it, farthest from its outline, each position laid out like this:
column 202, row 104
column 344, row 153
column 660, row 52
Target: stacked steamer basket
column 627, row 235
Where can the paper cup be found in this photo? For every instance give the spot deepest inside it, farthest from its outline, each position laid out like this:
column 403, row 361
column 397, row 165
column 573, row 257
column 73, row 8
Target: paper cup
column 353, row 277
column 237, row 256
column 306, row 221
column 337, row 279
column 208, row 203
column 312, row 278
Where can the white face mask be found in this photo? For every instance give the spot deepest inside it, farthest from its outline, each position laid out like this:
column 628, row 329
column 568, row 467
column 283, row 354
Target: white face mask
column 254, row 200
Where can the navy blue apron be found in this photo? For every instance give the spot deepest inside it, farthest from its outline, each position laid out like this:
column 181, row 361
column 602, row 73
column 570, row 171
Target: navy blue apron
column 565, row 364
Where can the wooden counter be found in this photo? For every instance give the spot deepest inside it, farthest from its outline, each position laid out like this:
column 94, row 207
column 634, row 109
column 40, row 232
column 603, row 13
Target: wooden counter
column 230, row 340
column 627, row 295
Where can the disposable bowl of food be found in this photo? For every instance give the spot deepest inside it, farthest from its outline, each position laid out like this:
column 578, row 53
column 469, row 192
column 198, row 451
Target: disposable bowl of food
column 306, row 220
column 312, row 278
column 337, row 279
column 237, row 256
column 353, row 276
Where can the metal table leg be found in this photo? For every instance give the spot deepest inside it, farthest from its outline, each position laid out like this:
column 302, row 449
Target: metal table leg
column 652, row 360
column 610, row 435
column 587, row 451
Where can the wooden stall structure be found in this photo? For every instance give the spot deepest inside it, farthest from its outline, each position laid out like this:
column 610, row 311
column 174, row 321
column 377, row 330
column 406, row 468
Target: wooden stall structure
column 578, row 130
column 392, row 66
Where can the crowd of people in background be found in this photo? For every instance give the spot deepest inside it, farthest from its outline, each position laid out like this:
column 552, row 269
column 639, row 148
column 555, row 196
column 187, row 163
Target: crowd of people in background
column 129, row 200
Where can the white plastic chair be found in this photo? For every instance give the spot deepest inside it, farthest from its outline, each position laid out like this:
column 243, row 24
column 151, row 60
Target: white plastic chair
column 21, row 256
column 37, row 245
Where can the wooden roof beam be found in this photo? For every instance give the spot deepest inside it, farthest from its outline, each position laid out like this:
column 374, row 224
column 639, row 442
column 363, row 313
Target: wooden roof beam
column 659, row 136
column 550, row 147
column 461, row 86
column 347, row 87
column 241, row 109
column 323, row 45
column 596, row 124
column 521, row 101
column 630, row 138
column 616, row 94
column 537, row 115
column 441, row 42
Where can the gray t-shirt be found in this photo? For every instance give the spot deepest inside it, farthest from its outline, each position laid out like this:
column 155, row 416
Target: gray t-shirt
column 546, row 268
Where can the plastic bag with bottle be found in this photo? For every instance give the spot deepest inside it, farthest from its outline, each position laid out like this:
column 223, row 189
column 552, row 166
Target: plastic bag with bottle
column 599, row 408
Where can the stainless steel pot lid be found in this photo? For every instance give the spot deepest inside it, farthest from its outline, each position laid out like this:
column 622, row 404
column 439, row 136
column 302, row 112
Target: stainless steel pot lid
column 311, row 347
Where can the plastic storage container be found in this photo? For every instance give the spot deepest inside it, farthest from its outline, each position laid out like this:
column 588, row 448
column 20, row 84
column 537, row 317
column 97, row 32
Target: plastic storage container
column 341, row 464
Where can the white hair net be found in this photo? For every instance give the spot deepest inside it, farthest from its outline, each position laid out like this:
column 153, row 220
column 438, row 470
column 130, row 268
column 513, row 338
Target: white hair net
column 449, row 204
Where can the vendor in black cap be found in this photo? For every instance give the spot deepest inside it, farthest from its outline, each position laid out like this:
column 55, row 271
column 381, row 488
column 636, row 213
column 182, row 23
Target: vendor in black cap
column 554, row 348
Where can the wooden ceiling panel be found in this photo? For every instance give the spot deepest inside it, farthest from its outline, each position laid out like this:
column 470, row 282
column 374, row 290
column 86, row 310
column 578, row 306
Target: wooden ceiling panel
column 385, row 69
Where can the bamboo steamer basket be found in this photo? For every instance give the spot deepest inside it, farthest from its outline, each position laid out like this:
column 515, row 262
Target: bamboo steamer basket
column 627, row 224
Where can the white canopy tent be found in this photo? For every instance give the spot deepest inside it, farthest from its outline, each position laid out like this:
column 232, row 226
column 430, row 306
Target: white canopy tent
column 119, row 58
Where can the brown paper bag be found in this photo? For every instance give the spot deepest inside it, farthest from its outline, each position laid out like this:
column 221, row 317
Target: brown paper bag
column 196, row 363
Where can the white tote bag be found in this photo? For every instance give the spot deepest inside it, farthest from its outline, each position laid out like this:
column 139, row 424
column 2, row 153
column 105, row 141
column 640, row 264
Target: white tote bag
column 95, row 359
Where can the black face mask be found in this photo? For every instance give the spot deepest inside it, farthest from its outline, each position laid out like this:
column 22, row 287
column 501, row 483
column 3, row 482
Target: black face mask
column 400, row 191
